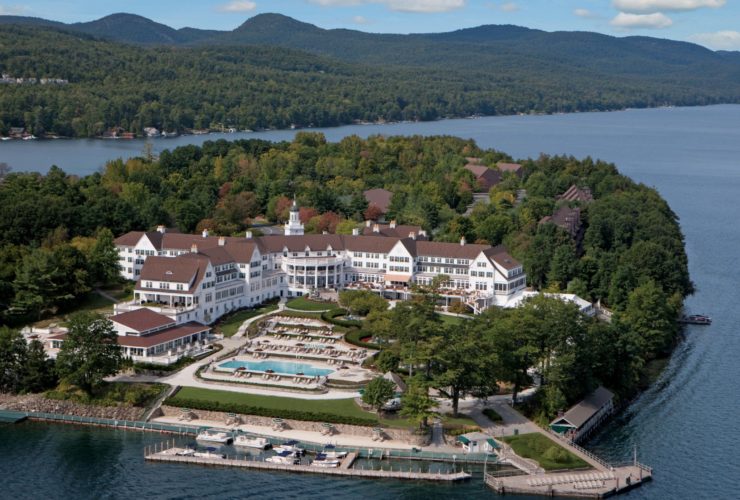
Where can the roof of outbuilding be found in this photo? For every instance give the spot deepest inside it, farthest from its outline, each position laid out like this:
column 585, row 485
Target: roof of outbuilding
column 379, row 197
column 580, row 413
column 142, row 320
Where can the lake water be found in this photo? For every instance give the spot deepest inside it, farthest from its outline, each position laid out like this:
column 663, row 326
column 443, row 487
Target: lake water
column 684, row 426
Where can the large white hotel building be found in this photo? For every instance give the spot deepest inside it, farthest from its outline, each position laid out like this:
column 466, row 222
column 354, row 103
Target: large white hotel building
column 199, row 278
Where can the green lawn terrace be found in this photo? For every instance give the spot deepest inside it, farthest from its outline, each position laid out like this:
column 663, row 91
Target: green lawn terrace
column 294, row 353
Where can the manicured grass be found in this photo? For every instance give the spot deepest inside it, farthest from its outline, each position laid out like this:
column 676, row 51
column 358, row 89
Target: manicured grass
column 304, row 304
column 492, row 415
column 340, row 407
column 550, row 455
column 451, row 320
column 231, row 324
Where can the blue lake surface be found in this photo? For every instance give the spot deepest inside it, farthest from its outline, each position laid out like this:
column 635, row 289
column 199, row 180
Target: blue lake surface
column 685, row 426
column 281, row 367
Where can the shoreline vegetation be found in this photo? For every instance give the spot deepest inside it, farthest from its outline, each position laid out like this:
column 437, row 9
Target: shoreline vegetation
column 628, row 252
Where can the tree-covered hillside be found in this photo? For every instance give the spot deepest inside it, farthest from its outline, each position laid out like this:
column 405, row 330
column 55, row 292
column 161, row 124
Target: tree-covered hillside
column 255, row 76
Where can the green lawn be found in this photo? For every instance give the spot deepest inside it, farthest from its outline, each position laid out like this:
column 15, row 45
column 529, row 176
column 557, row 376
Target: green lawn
column 304, row 304
column 231, row 324
column 549, row 454
column 340, row 407
column 451, row 320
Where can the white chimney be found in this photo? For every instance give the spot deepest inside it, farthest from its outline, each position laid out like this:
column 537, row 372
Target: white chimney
column 376, row 228
column 205, row 233
column 249, row 235
column 393, row 224
column 412, row 235
column 355, row 232
column 324, row 232
column 423, row 233
column 194, row 248
column 161, row 229
column 221, row 241
column 368, row 223
column 462, row 241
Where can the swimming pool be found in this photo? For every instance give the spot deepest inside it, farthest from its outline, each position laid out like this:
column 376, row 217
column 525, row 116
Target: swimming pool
column 280, row 367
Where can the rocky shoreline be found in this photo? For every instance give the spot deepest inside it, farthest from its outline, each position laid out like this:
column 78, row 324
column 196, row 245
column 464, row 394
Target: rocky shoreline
column 37, row 403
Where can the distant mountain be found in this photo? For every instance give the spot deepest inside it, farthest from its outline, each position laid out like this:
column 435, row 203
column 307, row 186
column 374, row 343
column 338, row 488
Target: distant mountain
column 126, row 28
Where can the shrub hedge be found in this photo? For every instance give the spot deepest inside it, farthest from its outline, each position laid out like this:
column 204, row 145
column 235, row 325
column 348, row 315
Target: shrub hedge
column 243, row 409
column 332, row 315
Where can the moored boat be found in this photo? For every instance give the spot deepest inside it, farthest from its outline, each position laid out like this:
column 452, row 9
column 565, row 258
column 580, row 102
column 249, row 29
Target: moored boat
column 696, row 319
column 322, row 460
column 252, row 442
column 209, row 453
column 284, row 458
column 214, row 436
column 330, row 451
column 291, row 446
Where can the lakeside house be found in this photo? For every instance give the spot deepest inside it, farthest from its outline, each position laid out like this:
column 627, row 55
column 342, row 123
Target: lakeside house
column 149, row 337
column 485, row 178
column 574, row 193
column 380, row 198
column 567, row 218
column 584, row 417
column 477, row 442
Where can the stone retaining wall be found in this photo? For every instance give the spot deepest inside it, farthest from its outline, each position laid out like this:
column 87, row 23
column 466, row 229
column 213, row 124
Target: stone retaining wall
column 40, row 404
column 404, row 435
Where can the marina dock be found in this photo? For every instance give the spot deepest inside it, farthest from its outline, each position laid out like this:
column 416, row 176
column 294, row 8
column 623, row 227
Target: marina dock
column 582, row 484
column 169, row 455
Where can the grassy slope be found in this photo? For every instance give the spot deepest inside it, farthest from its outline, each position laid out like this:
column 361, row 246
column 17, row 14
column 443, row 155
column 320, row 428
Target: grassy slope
column 304, row 304
column 230, row 325
column 343, row 407
column 550, row 455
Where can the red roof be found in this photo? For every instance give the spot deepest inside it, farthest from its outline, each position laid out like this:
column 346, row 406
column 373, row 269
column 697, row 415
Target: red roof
column 163, row 336
column 381, row 198
column 142, row 320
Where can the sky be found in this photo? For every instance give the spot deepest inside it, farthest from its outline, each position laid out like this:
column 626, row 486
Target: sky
column 712, row 23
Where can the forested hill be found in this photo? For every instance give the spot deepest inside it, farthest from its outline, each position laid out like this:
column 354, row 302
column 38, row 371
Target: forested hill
column 255, row 76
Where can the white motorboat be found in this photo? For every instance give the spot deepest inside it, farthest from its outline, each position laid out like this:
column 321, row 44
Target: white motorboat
column 252, row 442
column 291, row 446
column 330, row 451
column 284, row 458
column 187, row 452
column 214, row 436
column 209, row 453
column 322, row 460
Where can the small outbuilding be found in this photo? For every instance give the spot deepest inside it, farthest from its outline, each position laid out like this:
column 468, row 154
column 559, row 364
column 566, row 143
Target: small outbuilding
column 477, row 442
column 585, row 416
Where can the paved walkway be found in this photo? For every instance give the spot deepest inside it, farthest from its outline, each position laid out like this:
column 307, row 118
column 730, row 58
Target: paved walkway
column 243, row 327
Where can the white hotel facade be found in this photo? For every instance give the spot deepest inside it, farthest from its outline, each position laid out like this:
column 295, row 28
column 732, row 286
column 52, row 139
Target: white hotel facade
column 199, row 278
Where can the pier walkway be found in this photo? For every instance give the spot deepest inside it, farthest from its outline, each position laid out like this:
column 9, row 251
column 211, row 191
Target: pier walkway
column 170, row 455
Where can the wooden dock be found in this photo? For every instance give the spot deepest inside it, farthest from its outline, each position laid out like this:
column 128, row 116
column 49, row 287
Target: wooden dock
column 348, row 460
column 580, row 484
column 169, row 455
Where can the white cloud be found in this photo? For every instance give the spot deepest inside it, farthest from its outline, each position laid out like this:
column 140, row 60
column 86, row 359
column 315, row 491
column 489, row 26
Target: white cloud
column 585, row 13
column 12, row 10
column 509, row 7
column 654, row 21
column 360, row 20
column 420, row 6
column 720, row 40
column 655, row 6
column 238, row 6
